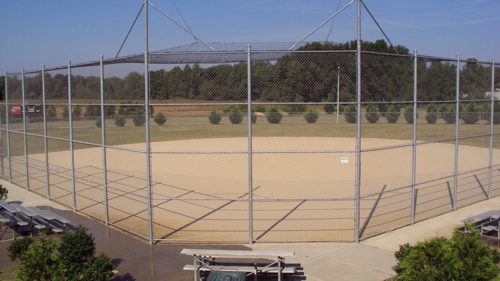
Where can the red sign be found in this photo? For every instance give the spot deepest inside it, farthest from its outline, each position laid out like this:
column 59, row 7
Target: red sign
column 16, row 109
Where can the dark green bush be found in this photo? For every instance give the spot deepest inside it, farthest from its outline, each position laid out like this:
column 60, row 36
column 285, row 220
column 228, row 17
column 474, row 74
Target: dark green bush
column 77, row 113
column 120, row 120
column 450, row 113
column 98, row 122
column 254, row 118
column 393, row 113
column 409, row 114
column 51, row 112
column 382, row 109
column 3, row 192
column 65, row 112
column 350, row 113
column 76, row 249
column 432, row 114
column 17, row 247
column 139, row 118
column 463, row 257
column 311, row 116
column 372, row 114
column 470, row 113
column 160, row 119
column 273, row 115
column 98, row 268
column 235, row 116
column 329, row 108
column 214, row 117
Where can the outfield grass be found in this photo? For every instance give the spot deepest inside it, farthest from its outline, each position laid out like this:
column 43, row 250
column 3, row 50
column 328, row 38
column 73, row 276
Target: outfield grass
column 196, row 126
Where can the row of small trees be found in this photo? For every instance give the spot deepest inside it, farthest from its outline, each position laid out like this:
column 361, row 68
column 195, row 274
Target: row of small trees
column 273, row 116
column 470, row 113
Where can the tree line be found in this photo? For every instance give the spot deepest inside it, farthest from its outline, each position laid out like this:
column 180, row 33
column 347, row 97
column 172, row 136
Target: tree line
column 310, row 75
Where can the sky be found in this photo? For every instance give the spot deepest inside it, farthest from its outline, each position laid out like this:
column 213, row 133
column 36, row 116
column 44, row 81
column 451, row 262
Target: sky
column 54, row 32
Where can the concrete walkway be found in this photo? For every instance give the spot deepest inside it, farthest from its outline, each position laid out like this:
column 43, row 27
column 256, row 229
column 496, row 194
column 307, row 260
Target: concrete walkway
column 372, row 259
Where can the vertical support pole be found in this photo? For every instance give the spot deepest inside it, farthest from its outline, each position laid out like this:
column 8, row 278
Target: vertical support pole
column 103, row 146
column 457, row 135
column 250, row 149
column 45, row 140
column 146, row 101
column 414, row 153
column 71, row 148
column 25, row 129
column 338, row 92
column 7, row 126
column 358, row 133
column 492, row 130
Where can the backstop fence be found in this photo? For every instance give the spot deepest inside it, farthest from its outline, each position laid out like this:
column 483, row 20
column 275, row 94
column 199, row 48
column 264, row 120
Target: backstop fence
column 261, row 147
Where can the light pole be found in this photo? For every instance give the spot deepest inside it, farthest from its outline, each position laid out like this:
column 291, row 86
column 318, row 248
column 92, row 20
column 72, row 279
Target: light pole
column 338, row 92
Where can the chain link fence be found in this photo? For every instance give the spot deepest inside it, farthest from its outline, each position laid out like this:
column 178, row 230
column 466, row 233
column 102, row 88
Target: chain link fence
column 268, row 147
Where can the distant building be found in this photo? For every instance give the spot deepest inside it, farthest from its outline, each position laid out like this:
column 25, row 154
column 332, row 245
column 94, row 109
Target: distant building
column 496, row 94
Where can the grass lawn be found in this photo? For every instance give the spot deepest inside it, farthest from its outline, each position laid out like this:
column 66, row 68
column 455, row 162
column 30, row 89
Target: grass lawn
column 196, row 126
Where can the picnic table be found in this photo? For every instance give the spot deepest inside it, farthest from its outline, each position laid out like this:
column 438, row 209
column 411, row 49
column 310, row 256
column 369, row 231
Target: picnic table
column 204, row 260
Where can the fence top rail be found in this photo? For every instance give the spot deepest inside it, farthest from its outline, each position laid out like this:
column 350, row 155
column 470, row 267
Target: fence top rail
column 237, row 253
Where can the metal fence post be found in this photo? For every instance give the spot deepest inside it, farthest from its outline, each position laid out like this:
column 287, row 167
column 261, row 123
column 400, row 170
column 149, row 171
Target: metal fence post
column 358, row 127
column 250, row 164
column 457, row 115
column 7, row 127
column 25, row 129
column 148, row 138
column 45, row 140
column 103, row 146
column 492, row 119
column 414, row 155
column 71, row 148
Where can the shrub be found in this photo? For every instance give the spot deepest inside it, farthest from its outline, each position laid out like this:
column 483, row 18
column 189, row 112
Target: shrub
column 463, row 257
column 235, row 116
column 76, row 249
column 214, row 117
column 17, row 247
column 329, row 108
column 92, row 111
column 273, row 115
column 382, row 109
column 139, row 118
column 51, row 112
column 65, row 112
column 470, row 114
column 311, row 116
column 39, row 261
column 409, row 114
column 432, row 114
column 3, row 192
column 449, row 114
column 77, row 113
column 160, row 119
column 120, row 120
column 393, row 113
column 98, row 122
column 98, row 268
column 350, row 113
column 372, row 114
column 254, row 118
